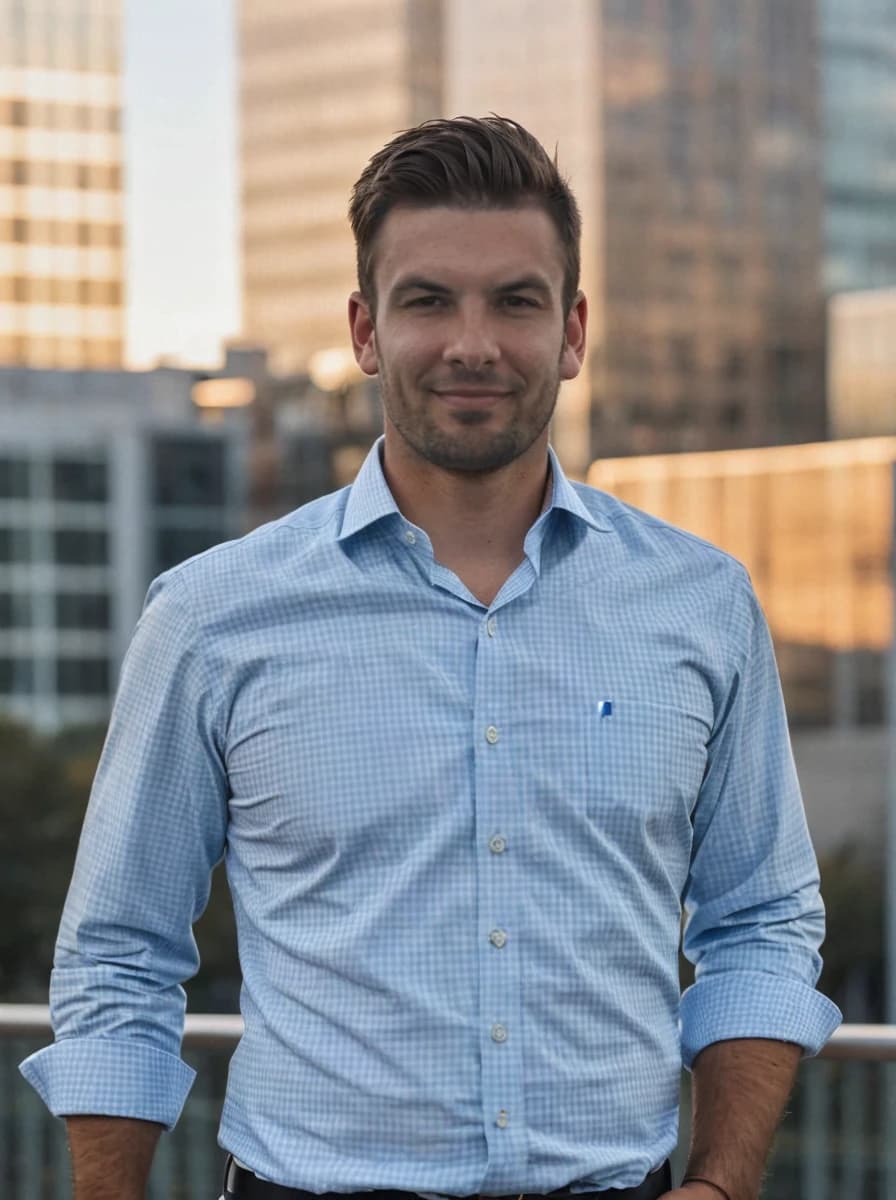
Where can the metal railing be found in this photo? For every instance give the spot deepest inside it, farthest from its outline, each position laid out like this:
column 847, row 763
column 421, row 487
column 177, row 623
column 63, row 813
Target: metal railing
column 863, row 1043
column 837, row 1142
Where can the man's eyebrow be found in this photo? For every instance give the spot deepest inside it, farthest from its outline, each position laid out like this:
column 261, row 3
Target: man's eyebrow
column 526, row 283
column 417, row 283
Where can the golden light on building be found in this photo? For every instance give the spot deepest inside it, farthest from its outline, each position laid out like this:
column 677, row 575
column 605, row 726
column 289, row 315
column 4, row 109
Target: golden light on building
column 61, row 194
column 813, row 524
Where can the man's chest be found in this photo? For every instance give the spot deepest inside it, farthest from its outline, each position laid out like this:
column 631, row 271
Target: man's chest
column 377, row 730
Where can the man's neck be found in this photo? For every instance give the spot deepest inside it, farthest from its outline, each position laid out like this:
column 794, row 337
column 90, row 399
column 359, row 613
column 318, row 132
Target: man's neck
column 475, row 522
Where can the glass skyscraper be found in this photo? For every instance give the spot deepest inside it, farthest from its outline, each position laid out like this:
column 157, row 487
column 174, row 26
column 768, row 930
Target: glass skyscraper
column 859, row 116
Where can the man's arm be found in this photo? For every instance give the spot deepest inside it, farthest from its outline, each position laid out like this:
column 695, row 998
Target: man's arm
column 111, row 1156
column 739, row 1090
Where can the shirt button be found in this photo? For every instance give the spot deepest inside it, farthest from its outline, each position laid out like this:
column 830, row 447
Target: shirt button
column 410, row 537
column 491, row 735
column 501, row 1119
column 497, row 844
column 498, row 938
column 499, row 1033
column 491, row 626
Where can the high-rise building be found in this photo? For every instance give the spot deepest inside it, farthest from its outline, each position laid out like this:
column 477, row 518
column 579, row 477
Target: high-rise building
column 61, row 199
column 689, row 131
column 323, row 84
column 858, row 42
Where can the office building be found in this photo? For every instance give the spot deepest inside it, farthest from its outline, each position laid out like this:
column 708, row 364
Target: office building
column 862, row 363
column 858, row 77
column 688, row 130
column 323, row 84
column 813, row 524
column 61, row 207
column 90, row 511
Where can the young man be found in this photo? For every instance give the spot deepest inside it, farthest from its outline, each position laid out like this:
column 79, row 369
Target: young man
column 469, row 737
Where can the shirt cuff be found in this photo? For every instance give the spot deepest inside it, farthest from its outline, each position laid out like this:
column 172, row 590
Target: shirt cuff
column 754, row 1004
column 110, row 1077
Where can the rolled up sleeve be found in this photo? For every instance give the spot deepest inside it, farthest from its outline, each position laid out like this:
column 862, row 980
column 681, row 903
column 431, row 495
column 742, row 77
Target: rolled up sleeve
column 754, row 914
column 154, row 829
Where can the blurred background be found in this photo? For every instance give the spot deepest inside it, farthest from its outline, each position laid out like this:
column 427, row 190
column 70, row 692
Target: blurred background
column 175, row 369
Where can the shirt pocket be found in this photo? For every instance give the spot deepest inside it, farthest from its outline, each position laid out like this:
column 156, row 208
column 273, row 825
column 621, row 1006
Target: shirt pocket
column 645, row 764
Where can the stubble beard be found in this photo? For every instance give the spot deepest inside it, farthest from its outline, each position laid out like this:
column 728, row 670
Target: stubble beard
column 471, row 450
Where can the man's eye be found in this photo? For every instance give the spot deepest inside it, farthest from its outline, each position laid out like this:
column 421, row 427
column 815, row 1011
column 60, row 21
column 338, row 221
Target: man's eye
column 426, row 302
column 518, row 302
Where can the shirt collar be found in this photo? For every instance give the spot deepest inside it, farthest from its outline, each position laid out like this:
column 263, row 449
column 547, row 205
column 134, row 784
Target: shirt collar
column 369, row 498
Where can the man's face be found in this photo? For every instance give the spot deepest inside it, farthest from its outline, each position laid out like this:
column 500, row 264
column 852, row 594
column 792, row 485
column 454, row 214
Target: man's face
column 470, row 340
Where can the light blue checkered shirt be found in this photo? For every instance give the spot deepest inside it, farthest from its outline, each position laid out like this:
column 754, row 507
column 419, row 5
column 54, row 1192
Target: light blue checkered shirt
column 458, row 840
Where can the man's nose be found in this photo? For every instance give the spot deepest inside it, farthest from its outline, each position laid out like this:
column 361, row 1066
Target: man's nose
column 471, row 341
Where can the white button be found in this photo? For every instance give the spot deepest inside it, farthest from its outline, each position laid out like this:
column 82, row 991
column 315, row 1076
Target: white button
column 497, row 844
column 492, row 626
column 499, row 1033
column 410, row 537
column 498, row 938
column 491, row 735
column 501, row 1119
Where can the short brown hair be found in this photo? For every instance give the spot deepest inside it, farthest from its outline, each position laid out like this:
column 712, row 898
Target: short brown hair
column 464, row 162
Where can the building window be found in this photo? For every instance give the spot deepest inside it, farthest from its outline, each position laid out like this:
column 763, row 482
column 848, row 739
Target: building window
column 80, row 481
column 83, row 676
column 15, row 546
column 81, row 547
column 14, row 479
column 16, row 676
column 175, row 545
column 189, row 471
column 15, row 610
column 83, row 610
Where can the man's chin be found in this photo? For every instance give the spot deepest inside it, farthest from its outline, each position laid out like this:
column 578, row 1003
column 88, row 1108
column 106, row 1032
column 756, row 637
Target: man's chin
column 471, row 456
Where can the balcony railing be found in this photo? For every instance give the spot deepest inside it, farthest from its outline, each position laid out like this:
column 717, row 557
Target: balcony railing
column 837, row 1141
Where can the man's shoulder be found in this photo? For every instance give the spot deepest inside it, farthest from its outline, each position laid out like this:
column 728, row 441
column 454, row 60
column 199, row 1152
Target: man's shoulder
column 257, row 561
column 645, row 535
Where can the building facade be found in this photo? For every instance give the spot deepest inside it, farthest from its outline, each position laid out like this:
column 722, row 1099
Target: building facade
column 90, row 511
column 323, row 84
column 859, row 106
column 689, row 130
column 61, row 194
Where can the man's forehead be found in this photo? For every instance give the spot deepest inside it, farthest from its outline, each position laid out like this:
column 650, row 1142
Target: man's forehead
column 447, row 238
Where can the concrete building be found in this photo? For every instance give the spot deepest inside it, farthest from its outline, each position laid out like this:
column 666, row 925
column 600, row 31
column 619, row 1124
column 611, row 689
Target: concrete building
column 91, row 510
column 814, row 526
column 323, row 84
column 858, row 74
column 61, row 206
column 689, row 132
column 862, row 362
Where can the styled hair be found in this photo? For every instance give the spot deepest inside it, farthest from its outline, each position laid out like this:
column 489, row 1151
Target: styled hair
column 468, row 163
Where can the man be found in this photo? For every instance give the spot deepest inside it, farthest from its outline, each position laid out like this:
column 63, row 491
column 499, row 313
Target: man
column 468, row 737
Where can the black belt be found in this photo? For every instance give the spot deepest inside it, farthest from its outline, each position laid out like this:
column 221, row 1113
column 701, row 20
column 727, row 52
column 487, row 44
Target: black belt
column 240, row 1184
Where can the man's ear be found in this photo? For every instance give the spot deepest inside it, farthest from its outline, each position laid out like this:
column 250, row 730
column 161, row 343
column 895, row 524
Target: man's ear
column 574, row 338
column 363, row 333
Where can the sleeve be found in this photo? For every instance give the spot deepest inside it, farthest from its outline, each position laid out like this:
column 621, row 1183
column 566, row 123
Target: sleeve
column 754, row 916
column 154, row 829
